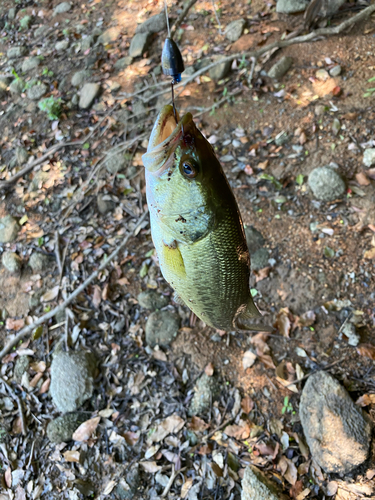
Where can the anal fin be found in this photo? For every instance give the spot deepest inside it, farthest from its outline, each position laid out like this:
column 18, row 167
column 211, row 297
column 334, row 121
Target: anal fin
column 245, row 320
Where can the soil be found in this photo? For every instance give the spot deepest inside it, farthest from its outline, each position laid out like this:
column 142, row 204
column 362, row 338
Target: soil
column 321, row 254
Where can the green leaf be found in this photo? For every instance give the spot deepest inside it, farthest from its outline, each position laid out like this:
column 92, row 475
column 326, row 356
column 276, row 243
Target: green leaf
column 253, row 292
column 86, row 145
column 299, row 179
column 328, row 252
column 40, row 241
column 371, row 79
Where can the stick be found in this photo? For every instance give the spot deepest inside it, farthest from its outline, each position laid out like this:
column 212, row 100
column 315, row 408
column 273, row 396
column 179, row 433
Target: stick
column 19, row 404
column 180, row 18
column 171, row 480
column 29, row 328
column 224, row 424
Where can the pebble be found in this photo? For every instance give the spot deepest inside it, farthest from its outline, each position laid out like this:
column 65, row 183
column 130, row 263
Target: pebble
column 61, row 8
column 234, row 30
column 161, row 328
column 151, row 299
column 349, row 330
column 16, row 52
column 110, row 35
column 21, row 155
column 206, row 391
column 87, row 42
column 88, row 94
column 79, row 77
column 11, row 14
column 326, row 184
column 281, row 138
column 9, row 229
column 4, row 83
column 40, row 31
column 254, row 239
column 322, row 75
column 335, row 71
column 128, row 486
column 17, row 86
column 22, row 366
column 336, row 126
column 25, row 22
column 279, row 69
column 36, row 91
column 259, row 259
column 320, row 109
column 72, row 379
column 62, row 45
column 139, row 44
column 330, row 8
column 220, row 71
column 255, row 486
column 291, row 6
column 115, row 163
column 123, row 63
column 369, row 157
column 154, row 24
column 30, row 63
column 105, row 203
column 61, row 429
column 12, row 262
column 337, row 431
column 38, row 262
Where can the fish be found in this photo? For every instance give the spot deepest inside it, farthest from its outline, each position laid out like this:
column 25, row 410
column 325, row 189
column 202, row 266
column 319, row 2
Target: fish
column 196, row 225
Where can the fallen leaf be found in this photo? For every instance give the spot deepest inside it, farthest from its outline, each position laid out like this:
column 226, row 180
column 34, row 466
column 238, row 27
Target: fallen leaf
column 296, row 489
column 370, row 254
column 152, row 451
column 283, row 323
column 86, row 429
column 366, row 400
column 72, row 456
column 14, row 324
column 150, row 466
column 8, row 477
column 209, row 370
column 186, row 487
column 288, row 470
column 247, row 404
column 171, row 424
column 198, row 425
column 267, row 361
column 269, row 448
column 262, row 274
column 50, row 294
column 241, row 431
column 362, row 179
column 367, row 350
column 248, row 359
column 307, row 319
column 131, row 437
column 109, row 487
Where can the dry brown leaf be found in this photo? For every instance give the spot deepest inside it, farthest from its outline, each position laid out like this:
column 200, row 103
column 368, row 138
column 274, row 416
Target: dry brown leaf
column 171, row 424
column 72, row 456
column 262, row 274
column 8, row 477
column 14, row 324
column 248, row 359
column 283, row 323
column 50, row 294
column 362, row 179
column 296, row 489
column 241, row 431
column 304, row 468
column 209, row 370
column 307, row 319
column 186, row 487
column 198, row 425
column 263, row 164
column 159, row 355
column 367, row 350
column 366, row 400
column 45, row 386
column 259, row 340
column 86, row 429
column 20, row 493
column 97, row 296
column 270, row 449
column 109, row 487
column 267, row 361
column 217, row 469
column 149, row 466
column 131, row 437
column 370, row 254
column 17, row 426
column 247, row 404
column 288, row 470
column 39, row 366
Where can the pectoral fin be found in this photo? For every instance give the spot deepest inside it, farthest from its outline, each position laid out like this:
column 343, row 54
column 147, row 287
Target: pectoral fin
column 173, row 260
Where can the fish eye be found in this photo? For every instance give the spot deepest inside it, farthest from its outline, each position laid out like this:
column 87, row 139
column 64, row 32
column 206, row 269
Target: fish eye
column 189, row 169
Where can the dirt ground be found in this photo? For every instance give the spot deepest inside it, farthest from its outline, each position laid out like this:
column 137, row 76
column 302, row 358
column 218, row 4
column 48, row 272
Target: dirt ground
column 320, row 272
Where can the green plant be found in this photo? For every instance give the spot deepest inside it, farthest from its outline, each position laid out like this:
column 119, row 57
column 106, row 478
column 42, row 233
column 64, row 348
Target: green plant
column 47, row 72
column 287, row 406
column 51, row 106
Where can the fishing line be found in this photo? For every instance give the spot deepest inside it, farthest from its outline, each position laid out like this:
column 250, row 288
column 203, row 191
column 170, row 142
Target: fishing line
column 166, row 16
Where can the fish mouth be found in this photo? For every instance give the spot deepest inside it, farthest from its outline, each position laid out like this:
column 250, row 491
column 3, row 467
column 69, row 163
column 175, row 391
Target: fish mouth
column 165, row 135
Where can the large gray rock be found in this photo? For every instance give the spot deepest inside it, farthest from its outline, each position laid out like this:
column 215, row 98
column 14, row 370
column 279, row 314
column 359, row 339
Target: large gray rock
column 151, row 299
column 36, row 91
column 72, row 379
column 123, row 63
column 115, row 162
column 254, row 239
column 16, row 52
column 38, row 262
column 234, row 30
column 17, row 86
column 139, row 44
column 30, row 64
column 12, row 262
column 330, row 7
column 110, row 35
column 9, row 229
column 255, row 486
column 220, row 71
column 206, row 391
column 61, row 8
column 161, row 328
column 279, row 69
column 336, row 430
column 88, row 94
column 326, row 184
column 62, row 45
column 291, row 6
column 79, row 77
column 259, row 259
column 22, row 366
column 369, row 157
column 22, row 156
column 154, row 24
column 62, row 428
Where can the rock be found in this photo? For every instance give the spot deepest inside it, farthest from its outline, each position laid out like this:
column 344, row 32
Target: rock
column 335, row 71
column 9, row 229
column 234, row 30
column 206, row 391
column 64, row 84
column 88, row 94
column 322, row 75
column 105, row 203
column 61, row 8
column 110, row 35
column 128, row 487
column 30, row 63
column 254, row 239
column 349, row 330
column 25, row 22
column 369, row 157
column 72, row 379
column 12, row 262
column 336, row 126
column 326, row 184
column 35, row 92
column 34, row 299
column 38, row 262
column 40, row 31
column 150, row 299
column 11, row 14
column 320, row 109
column 154, row 24
column 330, row 7
column 16, row 52
column 282, row 138
column 255, row 486
column 291, row 6
column 62, row 428
column 4, row 83
column 87, row 42
column 17, row 86
column 259, row 259
column 220, row 71
column 62, row 45
column 279, row 69
column 39, row 179
column 336, row 430
column 123, row 62
column 75, row 100
column 22, row 155
column 115, row 163
column 161, row 328
column 79, row 77
column 22, row 366
column 139, row 44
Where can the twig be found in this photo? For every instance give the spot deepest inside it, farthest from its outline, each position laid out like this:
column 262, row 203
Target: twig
column 317, row 370
column 253, row 63
column 180, row 18
column 57, row 253
column 217, row 18
column 171, row 480
column 224, row 424
column 19, row 404
column 29, row 328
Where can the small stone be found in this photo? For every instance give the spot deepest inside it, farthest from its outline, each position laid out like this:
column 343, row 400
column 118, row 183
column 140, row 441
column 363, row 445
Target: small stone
column 105, row 203
column 61, row 8
column 254, row 239
column 349, row 330
column 161, row 328
column 99, row 107
column 11, row 14
column 16, row 52
column 115, row 163
column 369, row 157
column 279, row 69
column 12, row 262
column 4, row 83
column 255, row 486
column 326, row 184
column 72, row 379
column 259, row 259
column 88, row 94
column 87, row 42
column 335, row 71
column 62, row 45
column 22, row 366
column 79, row 77
column 110, row 35
column 39, row 179
column 331, row 7
column 123, row 63
column 17, row 86
column 64, row 84
column 62, row 428
column 38, row 262
column 22, row 155
column 139, row 44
column 30, row 63
column 281, row 138
column 9, row 229
column 322, row 75
column 206, row 392
column 291, row 6
column 40, row 31
column 75, row 99
column 35, row 92
column 337, row 431
column 34, row 299
column 320, row 109
column 336, row 126
column 25, row 22
column 220, row 71
column 150, row 299
column 154, row 24
column 234, row 30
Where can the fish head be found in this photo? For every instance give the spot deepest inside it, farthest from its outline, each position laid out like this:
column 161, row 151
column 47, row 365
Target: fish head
column 182, row 176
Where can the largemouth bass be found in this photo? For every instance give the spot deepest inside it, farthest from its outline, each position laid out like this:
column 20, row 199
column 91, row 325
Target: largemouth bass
column 196, row 225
